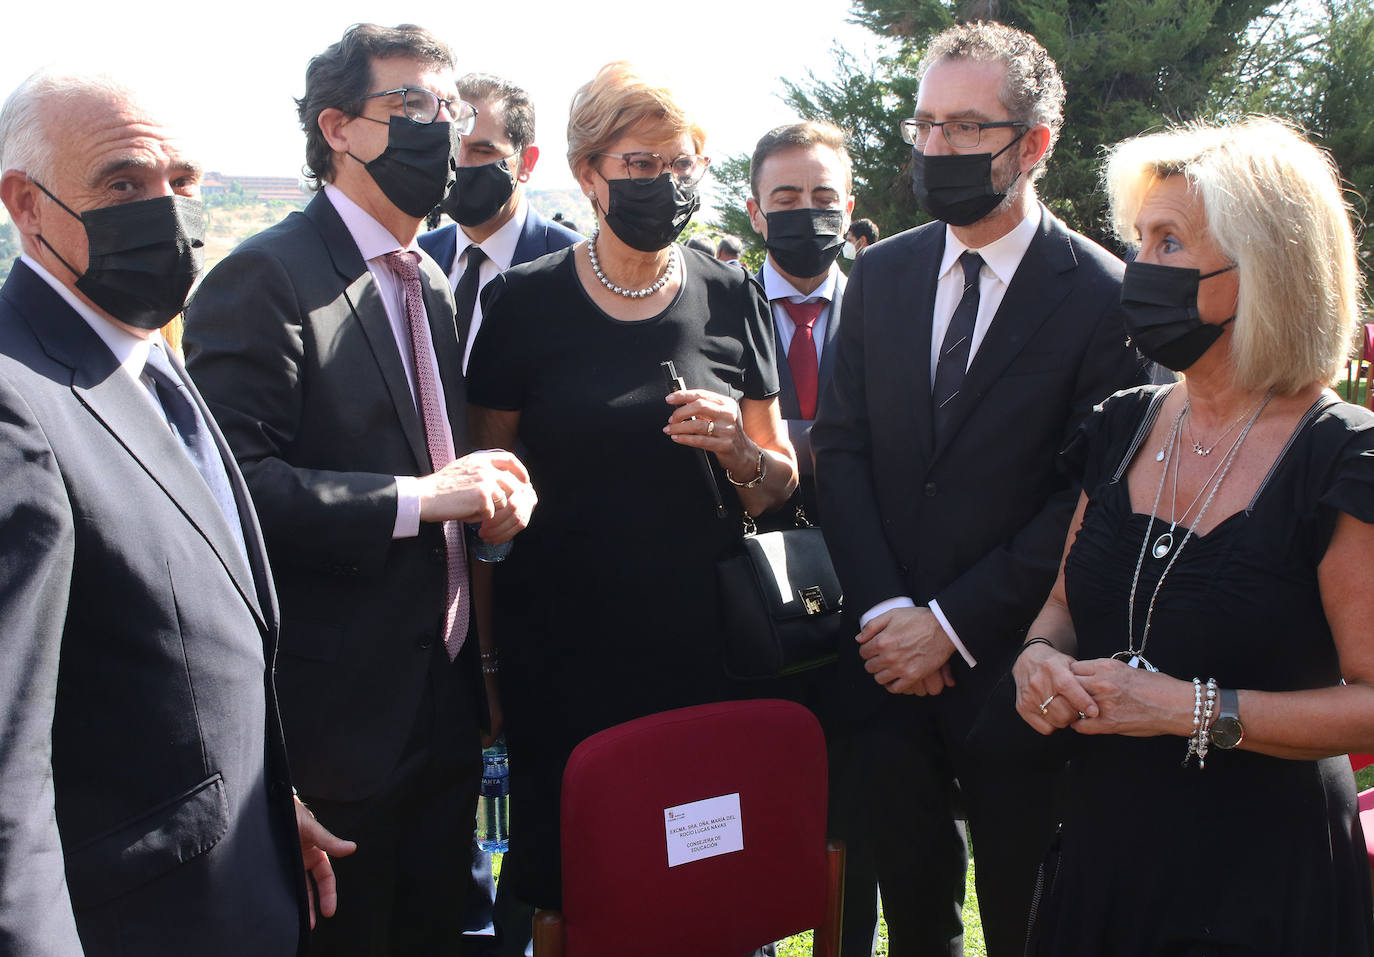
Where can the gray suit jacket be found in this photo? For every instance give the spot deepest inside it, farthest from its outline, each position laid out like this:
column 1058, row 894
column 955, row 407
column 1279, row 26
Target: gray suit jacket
column 290, row 344
column 139, row 740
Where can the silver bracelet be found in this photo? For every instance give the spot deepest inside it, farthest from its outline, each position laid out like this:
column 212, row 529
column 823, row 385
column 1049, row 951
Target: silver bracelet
column 1197, row 720
column 1204, row 734
column 757, row 480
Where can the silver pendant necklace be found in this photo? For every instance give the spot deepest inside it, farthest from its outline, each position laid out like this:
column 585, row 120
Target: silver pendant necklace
column 658, row 283
column 1133, row 656
column 1166, row 541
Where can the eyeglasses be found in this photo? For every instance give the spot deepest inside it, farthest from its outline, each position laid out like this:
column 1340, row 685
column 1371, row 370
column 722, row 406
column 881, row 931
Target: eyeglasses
column 961, row 134
column 687, row 169
column 423, row 106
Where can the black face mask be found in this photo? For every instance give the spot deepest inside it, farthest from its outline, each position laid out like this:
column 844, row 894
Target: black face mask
column 142, row 257
column 479, row 192
column 957, row 188
column 804, row 242
column 648, row 216
column 413, row 170
column 1162, row 317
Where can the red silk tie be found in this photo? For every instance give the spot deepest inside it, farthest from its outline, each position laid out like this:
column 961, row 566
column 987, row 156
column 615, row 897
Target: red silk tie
column 801, row 354
column 406, row 266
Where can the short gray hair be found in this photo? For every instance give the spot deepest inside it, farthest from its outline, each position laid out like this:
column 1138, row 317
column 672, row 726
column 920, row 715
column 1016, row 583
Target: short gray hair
column 1033, row 91
column 24, row 136
column 1273, row 202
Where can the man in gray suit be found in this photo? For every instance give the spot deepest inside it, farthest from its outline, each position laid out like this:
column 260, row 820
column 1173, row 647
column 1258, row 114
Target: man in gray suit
column 326, row 348
column 144, row 800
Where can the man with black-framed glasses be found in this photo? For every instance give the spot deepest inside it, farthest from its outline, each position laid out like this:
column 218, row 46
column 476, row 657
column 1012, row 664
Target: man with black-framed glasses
column 969, row 351
column 326, row 347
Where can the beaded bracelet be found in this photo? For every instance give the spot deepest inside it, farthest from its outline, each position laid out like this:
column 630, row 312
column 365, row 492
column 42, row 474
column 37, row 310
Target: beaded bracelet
column 1204, row 734
column 1197, row 720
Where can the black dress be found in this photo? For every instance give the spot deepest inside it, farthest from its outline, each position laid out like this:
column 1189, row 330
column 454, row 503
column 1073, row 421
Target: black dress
column 606, row 608
column 1254, row 855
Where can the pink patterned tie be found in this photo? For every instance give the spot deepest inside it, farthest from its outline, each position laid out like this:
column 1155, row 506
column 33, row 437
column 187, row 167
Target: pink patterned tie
column 406, row 266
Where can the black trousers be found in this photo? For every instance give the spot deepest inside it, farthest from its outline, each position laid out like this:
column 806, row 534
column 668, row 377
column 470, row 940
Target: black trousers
column 400, row 893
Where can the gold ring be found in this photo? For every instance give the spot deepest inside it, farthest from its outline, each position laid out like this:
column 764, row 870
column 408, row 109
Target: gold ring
column 710, row 426
column 1045, row 705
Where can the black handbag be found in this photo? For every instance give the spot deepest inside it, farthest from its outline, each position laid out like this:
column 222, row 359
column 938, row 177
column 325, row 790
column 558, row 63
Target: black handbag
column 780, row 603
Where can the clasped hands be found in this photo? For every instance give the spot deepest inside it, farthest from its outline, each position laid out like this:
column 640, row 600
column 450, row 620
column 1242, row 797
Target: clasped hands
column 1098, row 696
column 491, row 488
column 907, row 651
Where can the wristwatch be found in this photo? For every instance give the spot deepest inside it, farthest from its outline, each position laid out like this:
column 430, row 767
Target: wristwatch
column 1227, row 730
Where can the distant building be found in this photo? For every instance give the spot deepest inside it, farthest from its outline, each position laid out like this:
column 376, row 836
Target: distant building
column 255, row 187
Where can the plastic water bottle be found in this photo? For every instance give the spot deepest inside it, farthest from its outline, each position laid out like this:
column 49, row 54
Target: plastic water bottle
column 493, row 814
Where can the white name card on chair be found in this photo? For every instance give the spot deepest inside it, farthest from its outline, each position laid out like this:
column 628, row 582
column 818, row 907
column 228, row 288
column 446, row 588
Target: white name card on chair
column 703, row 829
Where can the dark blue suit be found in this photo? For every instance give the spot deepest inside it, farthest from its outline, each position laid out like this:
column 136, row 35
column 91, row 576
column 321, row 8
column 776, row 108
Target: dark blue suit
column 539, row 237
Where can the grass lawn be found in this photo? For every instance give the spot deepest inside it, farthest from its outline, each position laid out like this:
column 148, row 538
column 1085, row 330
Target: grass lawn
column 800, row 946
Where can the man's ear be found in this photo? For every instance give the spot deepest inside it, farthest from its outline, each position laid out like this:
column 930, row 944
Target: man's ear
column 20, row 197
column 756, row 217
column 1033, row 146
column 527, row 161
column 332, row 123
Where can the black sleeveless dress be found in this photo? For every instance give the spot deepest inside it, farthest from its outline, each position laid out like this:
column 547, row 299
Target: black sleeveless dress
column 1254, row 855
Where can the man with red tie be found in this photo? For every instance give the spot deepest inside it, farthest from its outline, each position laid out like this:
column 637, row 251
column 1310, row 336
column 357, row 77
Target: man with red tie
column 800, row 177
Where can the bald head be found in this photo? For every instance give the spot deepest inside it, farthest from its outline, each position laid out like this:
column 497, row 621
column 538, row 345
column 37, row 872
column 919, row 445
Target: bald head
column 71, row 143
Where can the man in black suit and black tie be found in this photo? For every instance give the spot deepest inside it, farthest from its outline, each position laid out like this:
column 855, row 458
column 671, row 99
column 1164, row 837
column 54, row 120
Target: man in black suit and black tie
column 496, row 226
column 970, row 350
column 144, row 801
column 326, row 347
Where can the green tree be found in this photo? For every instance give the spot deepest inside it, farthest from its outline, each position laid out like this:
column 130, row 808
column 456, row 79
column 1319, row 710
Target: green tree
column 1314, row 64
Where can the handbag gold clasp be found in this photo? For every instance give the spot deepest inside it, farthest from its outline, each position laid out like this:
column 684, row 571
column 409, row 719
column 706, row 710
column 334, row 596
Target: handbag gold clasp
column 813, row 599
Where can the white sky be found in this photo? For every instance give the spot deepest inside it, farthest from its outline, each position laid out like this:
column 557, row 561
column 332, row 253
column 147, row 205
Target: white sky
column 233, row 67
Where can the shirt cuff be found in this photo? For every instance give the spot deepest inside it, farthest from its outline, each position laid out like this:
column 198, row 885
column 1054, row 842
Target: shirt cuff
column 882, row 607
column 953, row 637
column 407, row 507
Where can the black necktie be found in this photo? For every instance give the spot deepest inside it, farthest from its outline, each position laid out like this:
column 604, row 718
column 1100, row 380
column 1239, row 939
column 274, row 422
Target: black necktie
column 954, row 351
column 465, row 295
column 187, row 425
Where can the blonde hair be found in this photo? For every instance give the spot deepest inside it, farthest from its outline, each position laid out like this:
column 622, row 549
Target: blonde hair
column 1273, row 202
column 617, row 100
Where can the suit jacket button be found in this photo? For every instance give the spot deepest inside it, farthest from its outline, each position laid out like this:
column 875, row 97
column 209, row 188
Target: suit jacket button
column 426, row 642
column 930, row 490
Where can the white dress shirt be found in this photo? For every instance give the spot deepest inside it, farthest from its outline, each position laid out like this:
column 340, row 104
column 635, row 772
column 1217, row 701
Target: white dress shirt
column 775, row 287
column 374, row 241
column 1001, row 258
column 500, row 250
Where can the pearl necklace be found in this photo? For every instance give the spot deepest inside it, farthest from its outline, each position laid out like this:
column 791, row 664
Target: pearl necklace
column 659, row 283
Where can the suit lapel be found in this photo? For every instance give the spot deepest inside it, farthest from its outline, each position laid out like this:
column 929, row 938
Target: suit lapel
column 532, row 243
column 122, row 407
column 1036, row 290
column 366, row 302
column 914, row 297
column 832, row 328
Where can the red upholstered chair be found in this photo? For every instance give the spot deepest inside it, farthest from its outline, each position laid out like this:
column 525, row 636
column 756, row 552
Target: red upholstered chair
column 625, row 788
